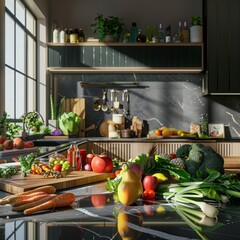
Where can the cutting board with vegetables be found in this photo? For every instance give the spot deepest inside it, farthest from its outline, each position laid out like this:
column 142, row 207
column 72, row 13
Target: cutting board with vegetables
column 17, row 183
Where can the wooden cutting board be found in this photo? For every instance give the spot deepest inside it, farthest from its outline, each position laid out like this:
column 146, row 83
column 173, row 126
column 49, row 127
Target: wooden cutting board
column 18, row 184
column 76, row 105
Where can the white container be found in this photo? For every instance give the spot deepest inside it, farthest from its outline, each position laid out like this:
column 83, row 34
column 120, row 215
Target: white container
column 196, row 34
column 56, row 35
column 113, row 134
column 62, row 36
column 118, row 118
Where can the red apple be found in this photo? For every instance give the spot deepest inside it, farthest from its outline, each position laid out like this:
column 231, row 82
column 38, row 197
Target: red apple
column 2, row 139
column 18, row 143
column 102, row 164
column 150, row 183
column 29, row 144
column 8, row 144
column 99, row 200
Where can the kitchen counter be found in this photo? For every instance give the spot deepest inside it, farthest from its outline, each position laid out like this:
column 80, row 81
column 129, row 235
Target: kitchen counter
column 94, row 215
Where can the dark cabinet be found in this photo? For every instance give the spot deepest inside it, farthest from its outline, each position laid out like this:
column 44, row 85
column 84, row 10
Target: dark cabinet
column 222, row 53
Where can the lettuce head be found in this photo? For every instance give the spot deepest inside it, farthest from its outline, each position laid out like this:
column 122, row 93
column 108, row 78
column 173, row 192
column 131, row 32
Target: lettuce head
column 69, row 123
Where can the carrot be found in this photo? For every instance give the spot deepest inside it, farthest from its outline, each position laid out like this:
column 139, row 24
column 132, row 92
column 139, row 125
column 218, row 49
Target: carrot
column 29, row 200
column 19, row 198
column 34, row 204
column 48, row 189
column 62, row 200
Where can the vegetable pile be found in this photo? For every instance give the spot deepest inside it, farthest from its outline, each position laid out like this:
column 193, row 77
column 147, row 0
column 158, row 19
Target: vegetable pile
column 38, row 199
column 188, row 179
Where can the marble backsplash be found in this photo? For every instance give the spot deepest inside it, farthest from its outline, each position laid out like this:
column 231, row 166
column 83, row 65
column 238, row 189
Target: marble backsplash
column 172, row 100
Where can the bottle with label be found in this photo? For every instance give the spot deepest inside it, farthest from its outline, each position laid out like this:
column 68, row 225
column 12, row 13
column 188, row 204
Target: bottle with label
column 179, row 32
column 161, row 34
column 141, row 37
column 78, row 161
column 133, row 32
column 185, row 33
column 81, row 35
column 62, row 36
column 56, row 34
column 168, row 34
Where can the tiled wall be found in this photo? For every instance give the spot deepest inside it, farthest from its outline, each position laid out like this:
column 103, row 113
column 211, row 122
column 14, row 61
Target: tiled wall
column 172, row 100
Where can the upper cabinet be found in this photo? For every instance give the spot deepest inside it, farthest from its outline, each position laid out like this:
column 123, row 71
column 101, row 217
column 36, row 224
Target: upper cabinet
column 222, row 20
column 125, row 58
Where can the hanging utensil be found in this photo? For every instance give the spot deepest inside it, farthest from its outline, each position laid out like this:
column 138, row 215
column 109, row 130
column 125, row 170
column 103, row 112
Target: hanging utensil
column 116, row 103
column 96, row 104
column 104, row 101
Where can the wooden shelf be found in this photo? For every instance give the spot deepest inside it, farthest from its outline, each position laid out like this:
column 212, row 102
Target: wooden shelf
column 96, row 57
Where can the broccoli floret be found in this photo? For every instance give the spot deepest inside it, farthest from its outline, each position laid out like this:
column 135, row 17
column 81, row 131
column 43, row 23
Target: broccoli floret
column 183, row 151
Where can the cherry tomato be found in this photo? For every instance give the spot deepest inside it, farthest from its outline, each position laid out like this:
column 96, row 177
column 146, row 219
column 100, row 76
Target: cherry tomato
column 57, row 167
column 148, row 195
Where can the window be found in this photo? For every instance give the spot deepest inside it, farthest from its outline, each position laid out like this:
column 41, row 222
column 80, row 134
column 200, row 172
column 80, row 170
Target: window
column 20, row 59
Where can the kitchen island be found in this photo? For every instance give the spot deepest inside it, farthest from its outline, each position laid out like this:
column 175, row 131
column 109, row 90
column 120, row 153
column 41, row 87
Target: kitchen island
column 95, row 215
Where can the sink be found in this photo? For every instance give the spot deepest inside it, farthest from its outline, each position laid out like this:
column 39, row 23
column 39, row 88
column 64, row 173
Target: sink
column 43, row 142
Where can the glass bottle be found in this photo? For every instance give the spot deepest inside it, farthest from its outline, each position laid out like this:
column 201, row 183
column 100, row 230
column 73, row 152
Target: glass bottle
column 140, row 36
column 161, row 34
column 168, row 34
column 71, row 155
column 67, row 37
column 185, row 33
column 204, row 124
column 62, row 36
column 83, row 157
column 78, row 161
column 179, row 32
column 81, row 35
column 133, row 32
column 56, row 34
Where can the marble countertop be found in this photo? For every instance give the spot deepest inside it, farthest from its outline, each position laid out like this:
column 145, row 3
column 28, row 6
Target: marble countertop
column 95, row 215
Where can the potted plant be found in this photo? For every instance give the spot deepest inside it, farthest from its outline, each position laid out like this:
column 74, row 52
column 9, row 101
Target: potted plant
column 107, row 27
column 196, row 30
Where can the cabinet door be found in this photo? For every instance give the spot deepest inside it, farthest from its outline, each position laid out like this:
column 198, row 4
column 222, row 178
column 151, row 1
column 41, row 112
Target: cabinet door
column 223, row 51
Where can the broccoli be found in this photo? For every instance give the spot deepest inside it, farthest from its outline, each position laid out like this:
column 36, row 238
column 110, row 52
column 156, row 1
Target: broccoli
column 200, row 158
column 183, row 151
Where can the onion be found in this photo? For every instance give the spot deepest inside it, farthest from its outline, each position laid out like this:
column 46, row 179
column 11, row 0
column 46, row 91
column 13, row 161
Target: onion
column 57, row 132
column 137, row 168
column 88, row 167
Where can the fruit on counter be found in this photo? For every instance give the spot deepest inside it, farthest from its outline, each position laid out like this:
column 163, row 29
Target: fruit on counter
column 56, row 158
column 130, row 187
column 99, row 200
column 8, row 144
column 18, row 143
column 161, row 177
column 150, row 183
column 172, row 155
column 102, row 164
column 125, row 218
column 90, row 157
column 87, row 167
column 57, row 167
column 148, row 195
column 166, row 132
column 29, row 144
column 158, row 132
column 137, row 169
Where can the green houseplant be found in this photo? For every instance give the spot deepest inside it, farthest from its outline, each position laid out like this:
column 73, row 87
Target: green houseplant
column 196, row 30
column 105, row 26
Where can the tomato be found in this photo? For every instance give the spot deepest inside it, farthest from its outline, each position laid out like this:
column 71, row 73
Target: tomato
column 57, row 167
column 148, row 195
column 99, row 201
column 102, row 164
column 150, row 183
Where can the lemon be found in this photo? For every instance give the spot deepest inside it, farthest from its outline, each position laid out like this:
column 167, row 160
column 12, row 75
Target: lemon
column 161, row 177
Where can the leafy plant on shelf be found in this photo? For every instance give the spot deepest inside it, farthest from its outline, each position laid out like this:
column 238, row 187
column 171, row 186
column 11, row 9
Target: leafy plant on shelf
column 196, row 21
column 108, row 26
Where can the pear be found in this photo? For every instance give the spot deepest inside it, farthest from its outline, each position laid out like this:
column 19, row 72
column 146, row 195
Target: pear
column 130, row 188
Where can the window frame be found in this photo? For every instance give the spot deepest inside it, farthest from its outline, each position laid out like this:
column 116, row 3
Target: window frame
column 27, row 77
